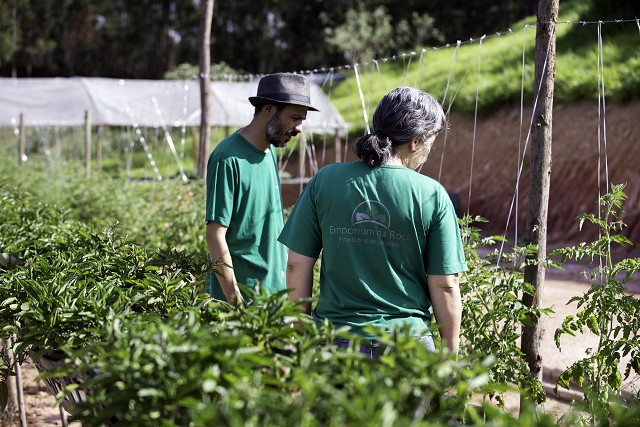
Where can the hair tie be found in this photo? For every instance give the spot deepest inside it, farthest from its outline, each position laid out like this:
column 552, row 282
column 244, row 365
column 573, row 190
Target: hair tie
column 380, row 135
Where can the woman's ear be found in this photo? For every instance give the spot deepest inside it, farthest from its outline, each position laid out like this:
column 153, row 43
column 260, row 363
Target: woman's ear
column 415, row 143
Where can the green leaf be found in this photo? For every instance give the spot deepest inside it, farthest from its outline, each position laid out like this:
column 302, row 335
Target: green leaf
column 616, row 380
column 563, row 380
column 592, row 323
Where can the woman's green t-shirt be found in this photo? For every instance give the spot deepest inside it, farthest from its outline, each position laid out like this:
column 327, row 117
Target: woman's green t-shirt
column 381, row 231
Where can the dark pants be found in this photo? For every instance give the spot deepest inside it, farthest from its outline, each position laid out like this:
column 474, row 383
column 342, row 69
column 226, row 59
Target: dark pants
column 373, row 348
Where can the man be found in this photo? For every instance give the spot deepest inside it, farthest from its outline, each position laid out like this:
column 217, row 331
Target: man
column 243, row 203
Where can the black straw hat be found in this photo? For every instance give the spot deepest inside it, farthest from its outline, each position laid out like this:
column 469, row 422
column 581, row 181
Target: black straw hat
column 283, row 88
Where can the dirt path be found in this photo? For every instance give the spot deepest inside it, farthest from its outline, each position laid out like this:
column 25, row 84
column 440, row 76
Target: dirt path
column 39, row 404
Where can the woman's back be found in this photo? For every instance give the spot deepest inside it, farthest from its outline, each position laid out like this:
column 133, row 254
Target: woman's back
column 373, row 226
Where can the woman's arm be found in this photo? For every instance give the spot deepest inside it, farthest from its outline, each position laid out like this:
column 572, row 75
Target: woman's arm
column 447, row 307
column 300, row 277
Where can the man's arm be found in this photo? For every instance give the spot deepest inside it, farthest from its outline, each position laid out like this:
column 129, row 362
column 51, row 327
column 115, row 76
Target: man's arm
column 218, row 249
column 300, row 277
column 447, row 307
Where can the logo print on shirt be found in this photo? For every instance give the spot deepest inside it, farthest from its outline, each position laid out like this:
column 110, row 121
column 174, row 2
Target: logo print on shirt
column 371, row 211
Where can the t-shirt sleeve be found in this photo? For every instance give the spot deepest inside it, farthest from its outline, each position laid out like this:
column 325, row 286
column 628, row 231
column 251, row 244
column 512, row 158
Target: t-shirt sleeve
column 302, row 232
column 445, row 253
column 221, row 188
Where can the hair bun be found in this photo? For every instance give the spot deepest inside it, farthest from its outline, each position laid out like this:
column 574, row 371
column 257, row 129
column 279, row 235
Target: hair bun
column 373, row 149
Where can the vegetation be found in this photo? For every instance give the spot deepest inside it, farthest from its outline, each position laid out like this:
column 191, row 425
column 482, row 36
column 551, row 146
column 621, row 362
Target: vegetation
column 126, row 39
column 413, row 43
column 109, row 271
column 490, row 72
column 124, row 306
column 606, row 310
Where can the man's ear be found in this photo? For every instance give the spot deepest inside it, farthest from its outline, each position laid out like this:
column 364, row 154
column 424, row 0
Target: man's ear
column 269, row 109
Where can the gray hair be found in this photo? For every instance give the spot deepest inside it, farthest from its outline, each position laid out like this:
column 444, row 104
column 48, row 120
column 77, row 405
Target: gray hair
column 402, row 114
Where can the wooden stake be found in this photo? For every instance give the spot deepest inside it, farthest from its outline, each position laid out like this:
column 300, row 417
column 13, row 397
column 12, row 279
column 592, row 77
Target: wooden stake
column 538, row 205
column 16, row 395
column 87, row 143
column 301, row 154
column 21, row 141
column 99, row 149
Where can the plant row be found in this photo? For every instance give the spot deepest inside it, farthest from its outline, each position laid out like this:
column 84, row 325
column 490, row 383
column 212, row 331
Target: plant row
column 132, row 331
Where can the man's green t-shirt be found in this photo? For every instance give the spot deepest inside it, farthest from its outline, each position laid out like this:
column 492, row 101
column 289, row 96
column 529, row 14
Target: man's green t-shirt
column 381, row 231
column 243, row 194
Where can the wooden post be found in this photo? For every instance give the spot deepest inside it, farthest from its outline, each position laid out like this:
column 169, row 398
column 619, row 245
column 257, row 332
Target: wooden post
column 16, row 394
column 87, row 143
column 206, row 16
column 21, row 141
column 538, row 205
column 12, row 398
column 195, row 145
column 301, row 153
column 337, row 145
column 99, row 149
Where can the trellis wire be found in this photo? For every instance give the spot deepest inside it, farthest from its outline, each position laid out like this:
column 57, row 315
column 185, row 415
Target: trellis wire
column 144, row 144
column 406, row 69
column 183, row 130
column 602, row 127
column 364, row 107
column 415, row 82
column 169, row 140
column 475, row 121
column 452, row 71
column 516, row 197
column 535, row 106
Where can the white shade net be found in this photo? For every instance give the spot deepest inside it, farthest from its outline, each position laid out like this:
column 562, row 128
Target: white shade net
column 146, row 103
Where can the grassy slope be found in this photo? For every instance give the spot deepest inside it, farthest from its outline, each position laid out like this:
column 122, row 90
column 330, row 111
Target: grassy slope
column 447, row 71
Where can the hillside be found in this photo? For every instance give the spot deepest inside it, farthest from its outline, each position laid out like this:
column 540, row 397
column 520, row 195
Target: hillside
column 574, row 176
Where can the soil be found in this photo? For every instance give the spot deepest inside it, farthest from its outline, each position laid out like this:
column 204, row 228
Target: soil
column 39, row 403
column 482, row 172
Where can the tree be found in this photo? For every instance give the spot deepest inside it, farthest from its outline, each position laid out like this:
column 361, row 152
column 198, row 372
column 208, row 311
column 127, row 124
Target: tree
column 146, row 38
column 205, row 85
column 368, row 34
column 364, row 35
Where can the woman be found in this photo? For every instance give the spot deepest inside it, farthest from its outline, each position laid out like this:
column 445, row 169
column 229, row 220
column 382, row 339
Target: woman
column 389, row 235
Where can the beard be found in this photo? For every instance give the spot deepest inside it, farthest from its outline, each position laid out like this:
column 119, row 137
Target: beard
column 275, row 134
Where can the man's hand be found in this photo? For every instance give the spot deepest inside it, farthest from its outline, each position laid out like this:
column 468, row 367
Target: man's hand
column 219, row 250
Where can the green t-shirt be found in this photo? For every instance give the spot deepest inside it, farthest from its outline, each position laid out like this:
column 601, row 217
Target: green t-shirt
column 243, row 194
column 381, row 231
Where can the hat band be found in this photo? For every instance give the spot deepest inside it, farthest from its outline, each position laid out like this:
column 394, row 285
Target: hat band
column 286, row 97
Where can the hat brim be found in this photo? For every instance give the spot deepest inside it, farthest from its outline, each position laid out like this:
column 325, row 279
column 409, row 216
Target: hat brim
column 258, row 101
